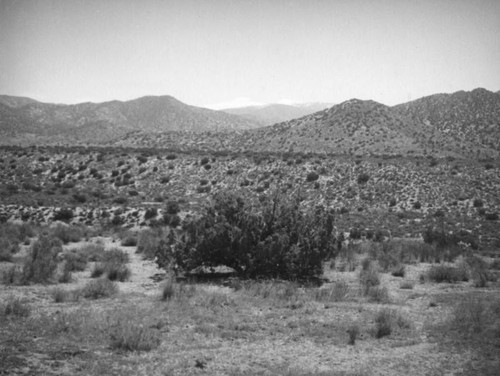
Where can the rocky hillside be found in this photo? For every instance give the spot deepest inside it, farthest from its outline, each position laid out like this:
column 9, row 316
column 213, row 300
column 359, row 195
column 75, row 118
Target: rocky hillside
column 25, row 121
column 467, row 121
column 276, row 113
column 463, row 124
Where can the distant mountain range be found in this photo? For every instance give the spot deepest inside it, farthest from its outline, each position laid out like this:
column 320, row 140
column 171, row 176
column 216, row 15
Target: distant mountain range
column 25, row 121
column 269, row 114
column 462, row 124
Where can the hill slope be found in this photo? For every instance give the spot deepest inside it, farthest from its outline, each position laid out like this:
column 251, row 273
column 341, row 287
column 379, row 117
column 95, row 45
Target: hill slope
column 463, row 121
column 22, row 120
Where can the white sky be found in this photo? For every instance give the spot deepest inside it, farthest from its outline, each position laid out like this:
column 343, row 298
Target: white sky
column 214, row 51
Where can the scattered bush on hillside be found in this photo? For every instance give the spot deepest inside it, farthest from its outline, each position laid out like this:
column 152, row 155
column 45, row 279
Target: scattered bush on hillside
column 41, row 263
column 363, row 178
column 312, row 176
column 64, row 215
column 491, row 216
column 478, row 203
column 172, row 207
column 275, row 238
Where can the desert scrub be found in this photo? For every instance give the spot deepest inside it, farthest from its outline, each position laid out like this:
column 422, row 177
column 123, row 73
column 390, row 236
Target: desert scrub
column 67, row 233
column 148, row 242
column 337, row 292
column 61, row 295
column 99, row 288
column 353, row 331
column 378, row 294
column 445, row 273
column 388, row 320
column 75, row 261
column 368, row 278
column 130, row 335
column 41, row 263
column 16, row 307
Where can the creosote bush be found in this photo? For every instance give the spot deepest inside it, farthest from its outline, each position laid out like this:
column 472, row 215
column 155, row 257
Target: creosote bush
column 273, row 238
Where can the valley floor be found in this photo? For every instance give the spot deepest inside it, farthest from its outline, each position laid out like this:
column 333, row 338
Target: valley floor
column 249, row 328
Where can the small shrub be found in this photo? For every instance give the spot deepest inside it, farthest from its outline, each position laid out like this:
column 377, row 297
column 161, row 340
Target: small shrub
column 491, row 216
column 478, row 203
column 11, row 276
column 312, row 176
column 368, row 278
column 64, row 215
column 15, row 307
column 168, row 290
column 115, row 256
column 383, row 323
column 75, row 261
column 41, row 263
column 173, row 207
column 353, row 332
column 363, row 178
column 100, row 288
column 399, row 271
column 130, row 334
column 65, row 277
column 98, row 270
column 66, row 233
column 406, row 285
column 117, row 272
column 378, row 294
column 443, row 273
column 337, row 293
column 60, row 295
column 129, row 241
column 150, row 213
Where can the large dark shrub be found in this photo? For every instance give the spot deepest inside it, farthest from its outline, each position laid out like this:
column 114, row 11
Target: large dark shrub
column 274, row 238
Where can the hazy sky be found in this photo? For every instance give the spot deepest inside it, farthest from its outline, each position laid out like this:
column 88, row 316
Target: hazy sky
column 210, row 51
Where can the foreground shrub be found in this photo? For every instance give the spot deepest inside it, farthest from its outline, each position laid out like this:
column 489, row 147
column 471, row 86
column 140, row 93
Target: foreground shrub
column 274, row 238
column 100, row 288
column 41, row 263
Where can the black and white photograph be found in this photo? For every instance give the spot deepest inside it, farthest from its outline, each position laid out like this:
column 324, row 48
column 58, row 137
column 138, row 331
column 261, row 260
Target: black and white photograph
column 249, row 187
